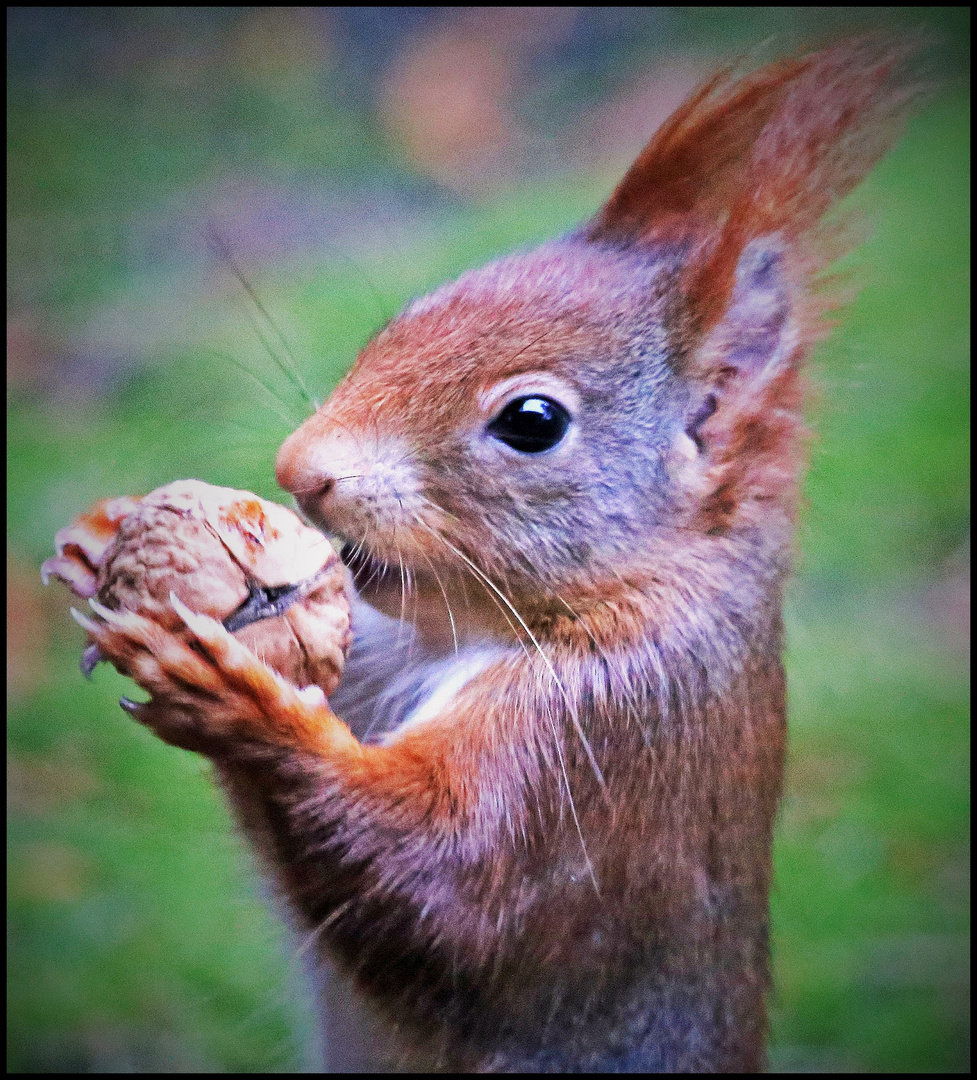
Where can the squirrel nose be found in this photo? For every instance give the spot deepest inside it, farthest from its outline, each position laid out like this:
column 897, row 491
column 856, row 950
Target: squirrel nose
column 301, row 466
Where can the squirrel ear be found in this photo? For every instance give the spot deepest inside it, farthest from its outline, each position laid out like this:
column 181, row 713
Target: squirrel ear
column 745, row 415
column 753, row 336
column 746, row 375
column 750, row 347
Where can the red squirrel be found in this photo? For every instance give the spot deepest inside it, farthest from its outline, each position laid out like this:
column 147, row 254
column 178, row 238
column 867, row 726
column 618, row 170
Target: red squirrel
column 534, row 822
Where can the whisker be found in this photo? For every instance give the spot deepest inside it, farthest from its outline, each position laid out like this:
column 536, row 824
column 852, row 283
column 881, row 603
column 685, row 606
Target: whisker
column 316, row 932
column 403, row 586
column 492, row 596
column 435, row 506
column 447, row 605
column 539, row 649
column 218, row 245
column 412, row 591
column 316, row 487
column 534, row 341
column 572, row 711
column 627, row 689
column 268, row 388
column 379, row 569
column 377, row 575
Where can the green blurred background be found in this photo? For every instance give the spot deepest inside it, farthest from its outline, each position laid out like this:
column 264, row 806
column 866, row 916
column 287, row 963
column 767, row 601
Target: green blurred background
column 351, row 158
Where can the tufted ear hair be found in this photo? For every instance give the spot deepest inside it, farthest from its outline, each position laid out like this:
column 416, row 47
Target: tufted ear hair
column 762, row 156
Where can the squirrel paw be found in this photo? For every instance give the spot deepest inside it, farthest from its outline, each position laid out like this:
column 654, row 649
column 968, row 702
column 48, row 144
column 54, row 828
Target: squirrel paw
column 82, row 545
column 209, row 693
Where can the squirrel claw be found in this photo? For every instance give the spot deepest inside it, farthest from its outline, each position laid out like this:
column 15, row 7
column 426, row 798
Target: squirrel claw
column 100, row 609
column 83, row 621
column 199, row 624
column 91, row 656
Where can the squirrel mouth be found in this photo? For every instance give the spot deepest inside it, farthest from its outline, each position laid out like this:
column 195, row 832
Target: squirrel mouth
column 365, row 567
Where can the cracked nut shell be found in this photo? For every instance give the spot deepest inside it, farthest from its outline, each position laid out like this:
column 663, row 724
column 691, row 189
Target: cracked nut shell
column 216, row 549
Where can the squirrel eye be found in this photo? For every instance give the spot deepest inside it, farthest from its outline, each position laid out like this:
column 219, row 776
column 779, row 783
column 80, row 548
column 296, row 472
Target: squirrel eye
column 531, row 424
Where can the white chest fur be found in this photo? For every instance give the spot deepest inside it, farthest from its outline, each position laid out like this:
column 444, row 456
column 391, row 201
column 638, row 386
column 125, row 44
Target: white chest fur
column 442, row 680
column 392, row 679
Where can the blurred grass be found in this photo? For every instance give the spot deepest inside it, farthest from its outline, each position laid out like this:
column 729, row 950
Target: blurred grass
column 138, row 939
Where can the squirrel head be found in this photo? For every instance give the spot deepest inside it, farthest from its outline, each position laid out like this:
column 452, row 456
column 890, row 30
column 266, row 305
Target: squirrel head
column 555, row 422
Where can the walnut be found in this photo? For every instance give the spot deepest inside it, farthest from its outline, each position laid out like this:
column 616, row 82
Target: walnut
column 276, row 584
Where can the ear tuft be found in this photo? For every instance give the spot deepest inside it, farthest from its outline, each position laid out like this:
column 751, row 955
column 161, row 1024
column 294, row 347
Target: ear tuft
column 766, row 155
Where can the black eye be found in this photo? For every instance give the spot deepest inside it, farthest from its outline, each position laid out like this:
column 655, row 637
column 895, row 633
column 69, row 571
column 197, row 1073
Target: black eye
column 531, row 424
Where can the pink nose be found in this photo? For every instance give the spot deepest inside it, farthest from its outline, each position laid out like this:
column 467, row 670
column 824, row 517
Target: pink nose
column 299, row 468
